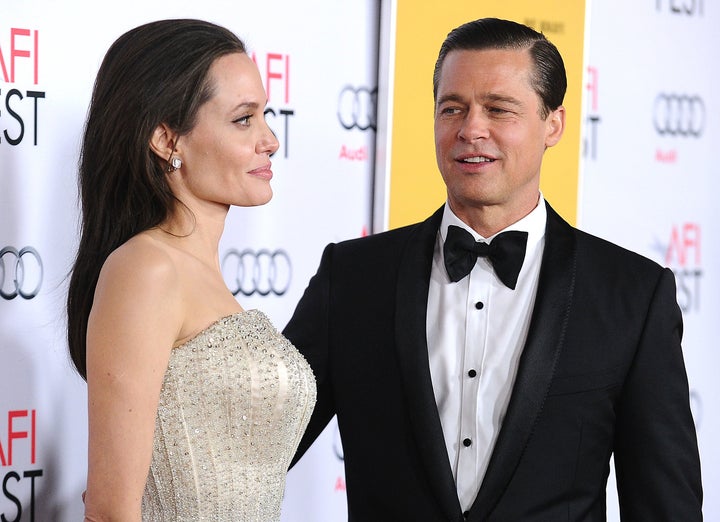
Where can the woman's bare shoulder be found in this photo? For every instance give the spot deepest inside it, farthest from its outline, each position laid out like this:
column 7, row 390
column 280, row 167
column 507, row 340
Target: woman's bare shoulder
column 141, row 264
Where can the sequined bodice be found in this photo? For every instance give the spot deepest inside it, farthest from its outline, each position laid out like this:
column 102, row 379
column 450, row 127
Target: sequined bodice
column 234, row 403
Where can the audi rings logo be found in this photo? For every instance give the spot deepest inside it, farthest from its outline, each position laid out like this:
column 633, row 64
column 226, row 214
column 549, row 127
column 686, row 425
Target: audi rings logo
column 261, row 272
column 679, row 115
column 21, row 272
column 357, row 108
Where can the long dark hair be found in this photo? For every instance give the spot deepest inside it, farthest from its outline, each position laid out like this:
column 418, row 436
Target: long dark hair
column 156, row 73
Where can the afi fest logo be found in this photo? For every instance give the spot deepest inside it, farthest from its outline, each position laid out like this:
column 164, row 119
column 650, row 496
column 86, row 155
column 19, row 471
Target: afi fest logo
column 683, row 255
column 357, row 110
column 590, row 148
column 275, row 72
column 19, row 68
column 18, row 449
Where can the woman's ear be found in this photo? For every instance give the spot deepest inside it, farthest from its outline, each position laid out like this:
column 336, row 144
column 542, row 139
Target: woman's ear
column 163, row 141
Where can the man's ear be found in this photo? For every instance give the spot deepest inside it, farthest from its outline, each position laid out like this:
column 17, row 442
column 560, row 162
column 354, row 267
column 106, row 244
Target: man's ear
column 555, row 126
column 163, row 141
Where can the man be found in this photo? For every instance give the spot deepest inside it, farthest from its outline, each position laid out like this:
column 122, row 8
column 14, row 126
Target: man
column 498, row 395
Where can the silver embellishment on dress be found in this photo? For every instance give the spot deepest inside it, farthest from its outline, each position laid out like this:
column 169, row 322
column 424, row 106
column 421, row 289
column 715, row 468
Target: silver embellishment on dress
column 234, row 404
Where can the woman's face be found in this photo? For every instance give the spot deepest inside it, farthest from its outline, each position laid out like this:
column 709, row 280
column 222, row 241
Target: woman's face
column 226, row 156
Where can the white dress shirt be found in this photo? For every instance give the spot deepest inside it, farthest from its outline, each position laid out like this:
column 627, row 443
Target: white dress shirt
column 476, row 330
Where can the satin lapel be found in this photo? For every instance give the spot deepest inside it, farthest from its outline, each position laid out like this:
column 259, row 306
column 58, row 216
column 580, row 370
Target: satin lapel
column 537, row 363
column 411, row 342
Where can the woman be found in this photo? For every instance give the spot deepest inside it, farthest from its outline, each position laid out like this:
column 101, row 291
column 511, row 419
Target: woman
column 195, row 406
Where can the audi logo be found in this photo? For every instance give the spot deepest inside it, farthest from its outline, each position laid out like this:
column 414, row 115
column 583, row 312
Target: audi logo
column 357, row 108
column 263, row 272
column 679, row 115
column 21, row 272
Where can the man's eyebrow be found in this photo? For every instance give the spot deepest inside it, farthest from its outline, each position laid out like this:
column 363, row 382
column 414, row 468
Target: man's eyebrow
column 491, row 97
column 452, row 97
column 502, row 98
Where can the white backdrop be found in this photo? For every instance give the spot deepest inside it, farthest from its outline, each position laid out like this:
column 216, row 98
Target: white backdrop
column 318, row 62
column 644, row 184
column 650, row 179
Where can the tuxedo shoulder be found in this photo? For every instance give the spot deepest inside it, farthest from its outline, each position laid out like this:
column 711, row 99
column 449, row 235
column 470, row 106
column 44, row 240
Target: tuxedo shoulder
column 594, row 253
column 606, row 252
column 390, row 240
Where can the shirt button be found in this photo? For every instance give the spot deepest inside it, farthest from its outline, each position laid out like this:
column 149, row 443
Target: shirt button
column 467, row 442
column 479, row 305
column 472, row 373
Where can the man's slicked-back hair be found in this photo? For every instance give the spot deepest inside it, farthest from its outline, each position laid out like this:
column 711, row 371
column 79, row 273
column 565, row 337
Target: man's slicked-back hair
column 548, row 78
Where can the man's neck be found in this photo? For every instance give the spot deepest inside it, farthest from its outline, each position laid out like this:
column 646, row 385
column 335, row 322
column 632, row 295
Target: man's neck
column 488, row 220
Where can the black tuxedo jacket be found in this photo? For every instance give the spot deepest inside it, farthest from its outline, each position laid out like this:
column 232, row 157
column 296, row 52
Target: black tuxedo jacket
column 601, row 372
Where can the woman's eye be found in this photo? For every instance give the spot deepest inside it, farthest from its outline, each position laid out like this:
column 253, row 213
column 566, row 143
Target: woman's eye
column 244, row 120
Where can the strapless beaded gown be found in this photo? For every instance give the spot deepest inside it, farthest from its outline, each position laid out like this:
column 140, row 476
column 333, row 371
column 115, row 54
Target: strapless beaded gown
column 234, row 403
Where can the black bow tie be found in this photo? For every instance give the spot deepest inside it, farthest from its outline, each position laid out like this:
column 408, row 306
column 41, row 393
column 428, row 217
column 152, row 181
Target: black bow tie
column 505, row 252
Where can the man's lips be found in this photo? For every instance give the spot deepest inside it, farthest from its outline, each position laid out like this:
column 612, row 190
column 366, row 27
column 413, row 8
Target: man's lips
column 474, row 158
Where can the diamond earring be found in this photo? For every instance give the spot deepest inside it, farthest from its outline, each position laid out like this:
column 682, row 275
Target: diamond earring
column 175, row 163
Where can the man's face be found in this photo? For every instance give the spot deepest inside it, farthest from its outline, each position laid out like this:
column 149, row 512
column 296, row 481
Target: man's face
column 489, row 135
